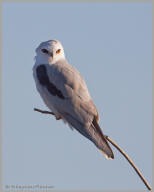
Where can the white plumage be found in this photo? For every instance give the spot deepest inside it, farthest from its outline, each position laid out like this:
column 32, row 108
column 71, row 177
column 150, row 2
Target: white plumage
column 65, row 93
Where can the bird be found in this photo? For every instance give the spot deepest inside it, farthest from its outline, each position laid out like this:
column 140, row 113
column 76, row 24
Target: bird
column 65, row 93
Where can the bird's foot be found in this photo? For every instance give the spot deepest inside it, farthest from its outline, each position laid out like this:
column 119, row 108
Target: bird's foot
column 58, row 118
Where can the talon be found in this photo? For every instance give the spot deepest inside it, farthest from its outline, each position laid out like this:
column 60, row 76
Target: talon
column 58, row 118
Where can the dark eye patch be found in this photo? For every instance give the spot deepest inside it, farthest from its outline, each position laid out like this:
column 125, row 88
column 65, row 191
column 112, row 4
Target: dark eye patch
column 44, row 51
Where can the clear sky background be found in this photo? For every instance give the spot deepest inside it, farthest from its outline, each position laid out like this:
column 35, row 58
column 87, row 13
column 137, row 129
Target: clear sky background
column 111, row 45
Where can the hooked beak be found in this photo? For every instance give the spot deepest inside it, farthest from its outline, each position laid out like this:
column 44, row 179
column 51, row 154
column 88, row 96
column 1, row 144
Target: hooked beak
column 51, row 54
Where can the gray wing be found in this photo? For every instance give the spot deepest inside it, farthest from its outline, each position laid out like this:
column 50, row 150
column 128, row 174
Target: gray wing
column 73, row 102
column 93, row 133
column 77, row 100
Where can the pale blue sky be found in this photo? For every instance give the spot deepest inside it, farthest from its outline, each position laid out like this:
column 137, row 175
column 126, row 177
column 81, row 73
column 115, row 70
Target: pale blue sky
column 111, row 45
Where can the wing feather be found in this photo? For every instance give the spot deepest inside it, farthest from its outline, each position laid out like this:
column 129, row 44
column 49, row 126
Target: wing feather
column 78, row 101
column 72, row 101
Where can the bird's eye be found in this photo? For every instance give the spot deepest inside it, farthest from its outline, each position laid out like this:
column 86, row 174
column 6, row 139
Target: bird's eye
column 58, row 51
column 44, row 51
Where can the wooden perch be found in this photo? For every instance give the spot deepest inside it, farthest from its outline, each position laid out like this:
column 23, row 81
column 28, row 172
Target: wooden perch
column 118, row 148
column 130, row 161
column 45, row 112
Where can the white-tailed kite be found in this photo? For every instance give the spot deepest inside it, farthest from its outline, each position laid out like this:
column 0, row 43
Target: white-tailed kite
column 65, row 93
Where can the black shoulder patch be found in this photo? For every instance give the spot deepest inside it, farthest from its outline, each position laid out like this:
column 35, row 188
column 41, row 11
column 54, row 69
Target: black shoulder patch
column 44, row 81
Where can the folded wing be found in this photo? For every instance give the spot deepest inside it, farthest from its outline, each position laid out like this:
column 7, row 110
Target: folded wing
column 73, row 102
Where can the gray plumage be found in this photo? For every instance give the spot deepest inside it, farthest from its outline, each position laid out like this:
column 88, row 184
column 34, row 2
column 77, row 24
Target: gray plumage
column 65, row 93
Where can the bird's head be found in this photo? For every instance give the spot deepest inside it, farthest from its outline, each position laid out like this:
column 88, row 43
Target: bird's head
column 50, row 52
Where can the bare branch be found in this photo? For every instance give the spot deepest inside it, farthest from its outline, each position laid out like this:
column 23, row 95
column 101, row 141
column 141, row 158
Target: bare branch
column 130, row 161
column 45, row 112
column 117, row 147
